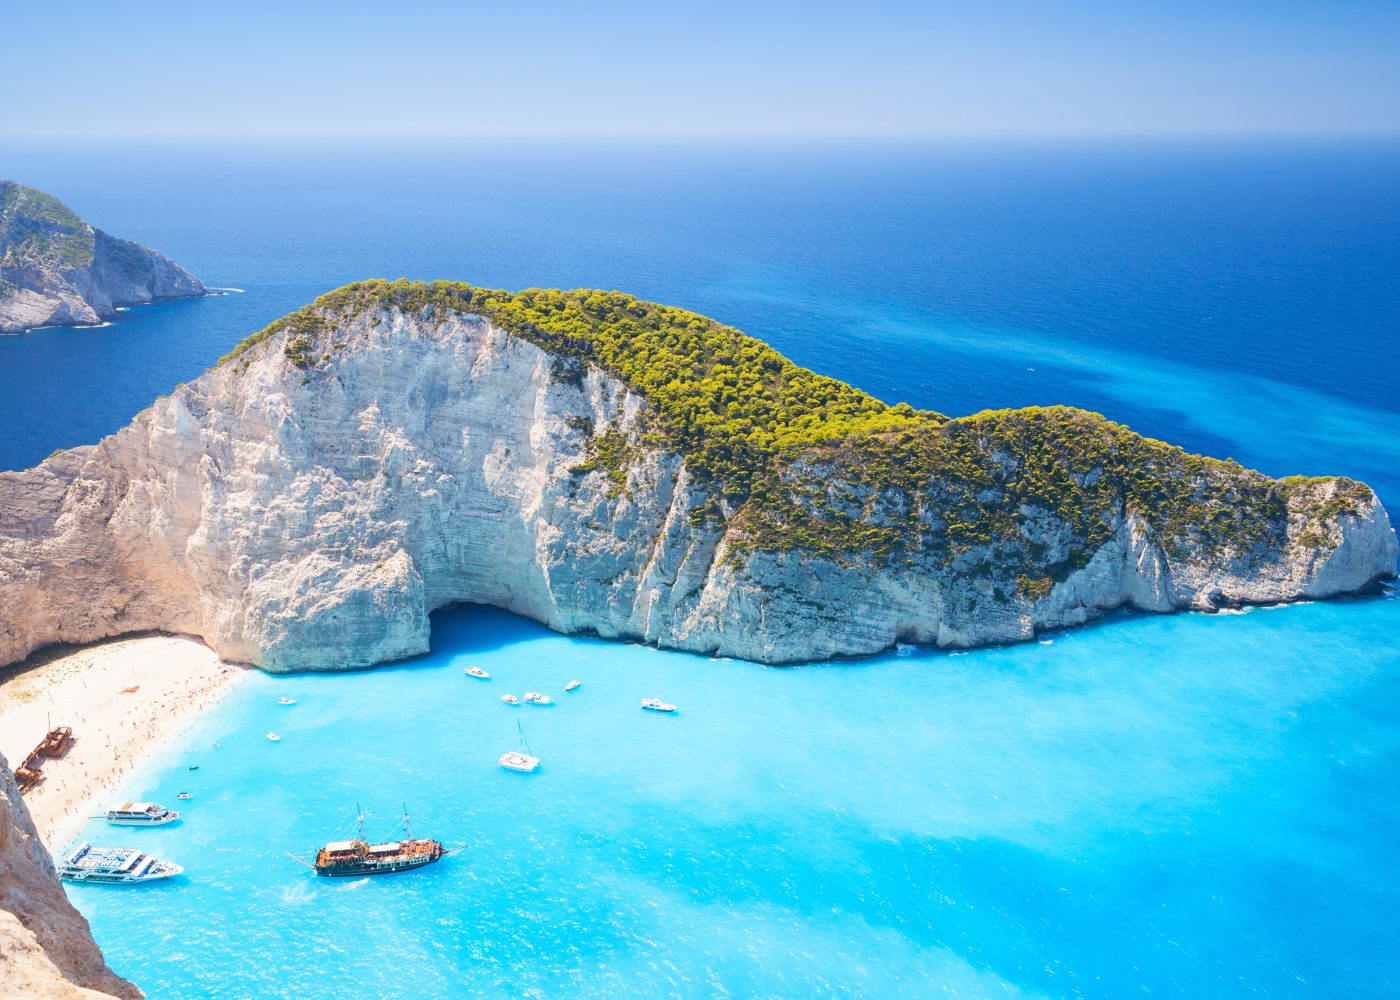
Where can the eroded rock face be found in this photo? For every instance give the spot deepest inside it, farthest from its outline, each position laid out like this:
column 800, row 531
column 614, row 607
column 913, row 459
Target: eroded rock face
column 311, row 519
column 56, row 270
column 46, row 948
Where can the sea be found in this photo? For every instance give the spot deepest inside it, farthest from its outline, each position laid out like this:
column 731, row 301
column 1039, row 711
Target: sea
column 1185, row 806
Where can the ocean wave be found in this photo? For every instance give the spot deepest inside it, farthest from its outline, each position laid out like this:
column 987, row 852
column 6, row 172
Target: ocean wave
column 93, row 326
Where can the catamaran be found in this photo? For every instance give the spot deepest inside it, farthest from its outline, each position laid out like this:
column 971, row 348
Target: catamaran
column 520, row 760
column 141, row 814
column 342, row 858
column 114, row 865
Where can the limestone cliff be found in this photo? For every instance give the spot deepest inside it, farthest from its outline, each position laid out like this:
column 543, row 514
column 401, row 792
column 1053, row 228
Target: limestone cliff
column 46, row 949
column 56, row 270
column 604, row 465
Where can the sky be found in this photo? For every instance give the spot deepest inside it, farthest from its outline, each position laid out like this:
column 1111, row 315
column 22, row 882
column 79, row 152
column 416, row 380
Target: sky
column 92, row 69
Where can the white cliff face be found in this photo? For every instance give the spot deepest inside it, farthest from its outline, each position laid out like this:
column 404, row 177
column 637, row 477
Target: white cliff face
column 46, row 948
column 312, row 519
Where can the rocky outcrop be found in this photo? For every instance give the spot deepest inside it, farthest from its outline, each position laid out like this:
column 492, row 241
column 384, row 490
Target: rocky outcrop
column 306, row 504
column 56, row 270
column 46, row 948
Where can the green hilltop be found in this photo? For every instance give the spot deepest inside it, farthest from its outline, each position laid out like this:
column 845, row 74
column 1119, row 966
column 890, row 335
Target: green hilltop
column 800, row 461
column 40, row 232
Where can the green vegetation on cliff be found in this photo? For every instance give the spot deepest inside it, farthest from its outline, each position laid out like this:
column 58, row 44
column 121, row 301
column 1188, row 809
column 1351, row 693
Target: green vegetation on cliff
column 39, row 232
column 798, row 461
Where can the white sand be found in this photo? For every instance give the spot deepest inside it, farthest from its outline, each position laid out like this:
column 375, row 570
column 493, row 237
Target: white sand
column 178, row 678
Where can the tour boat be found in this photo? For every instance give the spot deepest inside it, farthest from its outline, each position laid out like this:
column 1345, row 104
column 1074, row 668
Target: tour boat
column 477, row 672
column 114, row 864
column 520, row 760
column 341, row 858
column 572, row 685
column 535, row 698
column 274, row 737
column 284, row 700
column 510, row 699
column 657, row 705
column 141, row 814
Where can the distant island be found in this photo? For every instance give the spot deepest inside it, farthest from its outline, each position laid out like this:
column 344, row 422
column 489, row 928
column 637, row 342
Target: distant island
column 56, row 270
column 610, row 466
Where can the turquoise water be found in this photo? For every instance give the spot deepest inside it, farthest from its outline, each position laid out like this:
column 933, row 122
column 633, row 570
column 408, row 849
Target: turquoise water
column 1188, row 806
column 1191, row 806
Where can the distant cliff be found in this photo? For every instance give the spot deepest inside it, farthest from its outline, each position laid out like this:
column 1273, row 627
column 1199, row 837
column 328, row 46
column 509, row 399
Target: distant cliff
column 605, row 465
column 56, row 270
column 46, row 948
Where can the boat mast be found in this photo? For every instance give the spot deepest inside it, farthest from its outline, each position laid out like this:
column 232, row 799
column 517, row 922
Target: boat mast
column 408, row 834
column 360, row 818
column 524, row 743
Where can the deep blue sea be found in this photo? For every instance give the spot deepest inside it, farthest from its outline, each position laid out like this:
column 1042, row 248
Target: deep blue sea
column 1194, row 806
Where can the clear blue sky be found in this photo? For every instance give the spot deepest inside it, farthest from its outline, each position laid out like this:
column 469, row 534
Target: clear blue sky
column 543, row 68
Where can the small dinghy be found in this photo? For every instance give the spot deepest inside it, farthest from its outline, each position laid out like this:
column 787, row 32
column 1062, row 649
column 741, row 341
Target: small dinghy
column 520, row 760
column 185, row 795
column 510, row 699
column 284, row 700
column 657, row 705
column 274, row 737
column 572, row 685
column 535, row 698
column 477, row 672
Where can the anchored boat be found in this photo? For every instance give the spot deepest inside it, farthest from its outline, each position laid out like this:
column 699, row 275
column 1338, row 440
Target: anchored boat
column 141, row 814
column 520, row 760
column 535, row 698
column 657, row 705
column 114, row 865
column 359, row 857
column 477, row 672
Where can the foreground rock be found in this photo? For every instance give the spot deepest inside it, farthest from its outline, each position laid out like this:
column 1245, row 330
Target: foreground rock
column 607, row 466
column 46, row 948
column 56, row 270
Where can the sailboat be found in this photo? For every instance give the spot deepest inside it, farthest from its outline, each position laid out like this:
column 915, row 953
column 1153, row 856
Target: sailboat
column 359, row 857
column 520, row 760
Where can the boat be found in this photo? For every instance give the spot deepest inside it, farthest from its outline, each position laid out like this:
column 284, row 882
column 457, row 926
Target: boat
column 477, row 672
column 349, row 858
column 131, row 690
column 193, row 767
column 520, row 760
column 185, row 795
column 56, row 743
column 535, row 698
column 510, row 699
column 284, row 700
column 141, row 814
column 274, row 737
column 657, row 705
column 114, row 865
column 572, row 685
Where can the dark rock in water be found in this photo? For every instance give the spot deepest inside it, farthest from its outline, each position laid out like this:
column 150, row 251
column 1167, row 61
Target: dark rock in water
column 56, row 270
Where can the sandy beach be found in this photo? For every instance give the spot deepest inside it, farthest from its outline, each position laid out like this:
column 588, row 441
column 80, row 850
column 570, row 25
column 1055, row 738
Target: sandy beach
column 115, row 729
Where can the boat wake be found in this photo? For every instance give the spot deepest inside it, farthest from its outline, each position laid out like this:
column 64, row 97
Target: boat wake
column 359, row 883
column 224, row 291
column 297, row 894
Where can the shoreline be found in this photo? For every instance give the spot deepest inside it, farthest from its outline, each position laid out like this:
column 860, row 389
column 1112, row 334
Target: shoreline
column 177, row 678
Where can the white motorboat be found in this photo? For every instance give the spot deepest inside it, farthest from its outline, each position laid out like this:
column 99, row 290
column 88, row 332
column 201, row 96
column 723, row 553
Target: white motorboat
column 477, row 672
column 535, row 698
column 284, row 700
column 657, row 705
column 274, row 737
column 114, row 864
column 510, row 699
column 141, row 814
column 185, row 795
column 520, row 760
column 572, row 685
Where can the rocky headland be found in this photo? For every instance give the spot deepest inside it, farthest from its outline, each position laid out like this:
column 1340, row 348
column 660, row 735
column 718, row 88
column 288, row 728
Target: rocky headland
column 56, row 270
column 610, row 466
